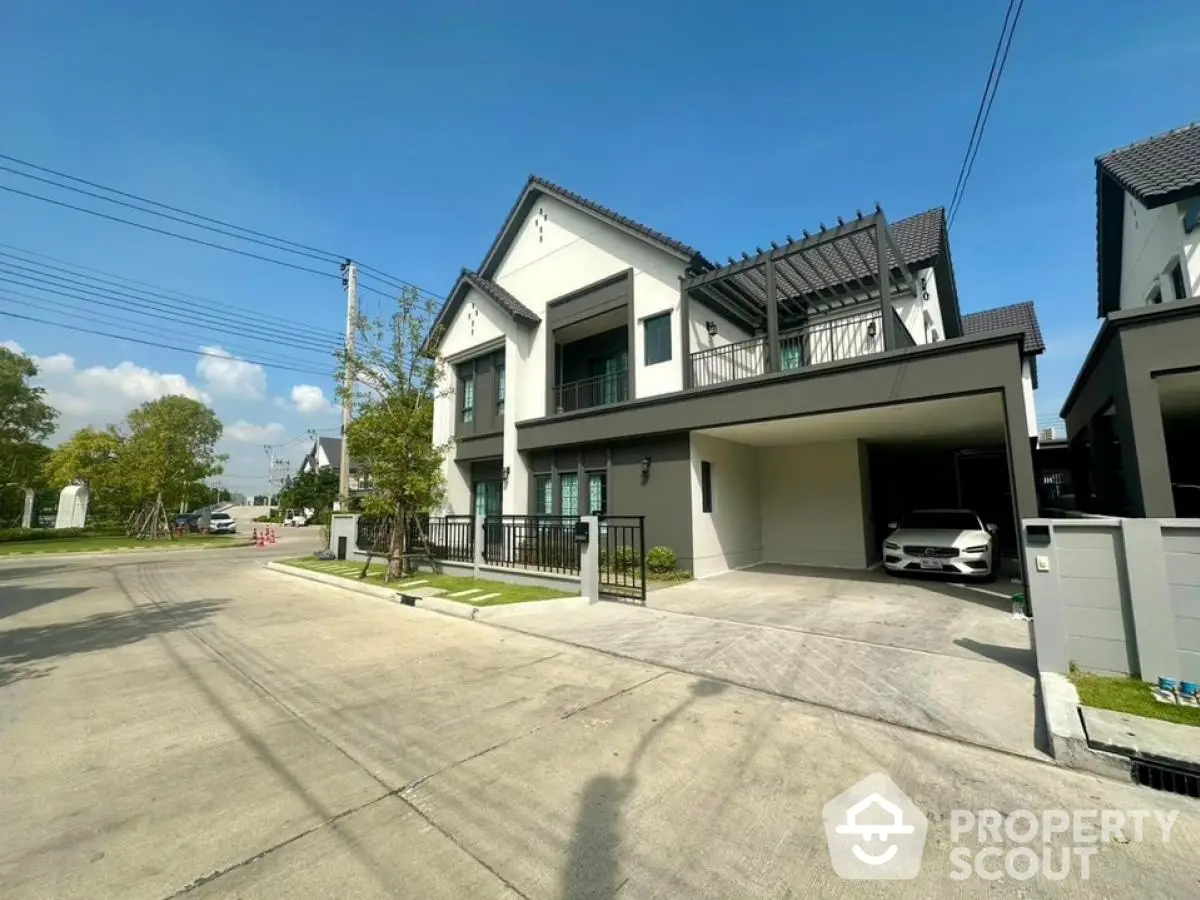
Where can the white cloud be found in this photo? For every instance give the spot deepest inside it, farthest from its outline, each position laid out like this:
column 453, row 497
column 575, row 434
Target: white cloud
column 307, row 399
column 228, row 376
column 247, row 433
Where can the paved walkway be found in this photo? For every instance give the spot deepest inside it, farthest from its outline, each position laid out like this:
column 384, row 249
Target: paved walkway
column 967, row 696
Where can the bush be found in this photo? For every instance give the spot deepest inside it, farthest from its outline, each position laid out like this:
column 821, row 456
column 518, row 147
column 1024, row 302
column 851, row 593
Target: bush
column 661, row 560
column 625, row 559
column 23, row 535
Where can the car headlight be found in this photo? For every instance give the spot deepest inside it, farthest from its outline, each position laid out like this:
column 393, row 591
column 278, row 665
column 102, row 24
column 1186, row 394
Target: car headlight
column 889, row 545
column 982, row 548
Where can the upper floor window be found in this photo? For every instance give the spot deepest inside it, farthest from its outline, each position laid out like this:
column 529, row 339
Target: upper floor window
column 1177, row 282
column 468, row 397
column 656, row 332
column 500, row 388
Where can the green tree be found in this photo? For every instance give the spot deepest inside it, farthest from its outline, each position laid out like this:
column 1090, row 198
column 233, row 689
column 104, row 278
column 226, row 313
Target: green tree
column 26, row 419
column 395, row 385
column 310, row 490
column 171, row 444
column 94, row 457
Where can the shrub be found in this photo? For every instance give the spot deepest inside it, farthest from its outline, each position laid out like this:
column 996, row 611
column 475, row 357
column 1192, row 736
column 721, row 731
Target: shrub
column 661, row 560
column 23, row 535
column 624, row 559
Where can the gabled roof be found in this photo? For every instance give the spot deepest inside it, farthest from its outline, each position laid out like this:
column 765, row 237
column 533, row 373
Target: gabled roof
column 467, row 279
column 1018, row 315
column 1157, row 171
column 536, row 187
column 921, row 238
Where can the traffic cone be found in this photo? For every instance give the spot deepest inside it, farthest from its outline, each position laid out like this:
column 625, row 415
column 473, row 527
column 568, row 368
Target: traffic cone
column 254, row 536
column 271, row 536
column 260, row 541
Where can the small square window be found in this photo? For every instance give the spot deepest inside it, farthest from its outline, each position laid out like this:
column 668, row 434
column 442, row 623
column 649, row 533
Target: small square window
column 656, row 332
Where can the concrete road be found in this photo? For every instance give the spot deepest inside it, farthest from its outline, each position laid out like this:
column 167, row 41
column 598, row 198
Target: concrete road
column 198, row 726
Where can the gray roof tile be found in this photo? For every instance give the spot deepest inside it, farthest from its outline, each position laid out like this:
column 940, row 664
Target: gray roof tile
column 1160, row 169
column 503, row 298
column 1018, row 315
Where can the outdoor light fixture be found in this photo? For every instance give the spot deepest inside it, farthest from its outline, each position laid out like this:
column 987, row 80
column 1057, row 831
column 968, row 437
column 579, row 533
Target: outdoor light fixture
column 871, row 329
column 711, row 327
column 645, row 465
column 504, row 472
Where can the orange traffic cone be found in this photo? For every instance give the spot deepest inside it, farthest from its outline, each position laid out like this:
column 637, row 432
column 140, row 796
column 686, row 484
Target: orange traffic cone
column 271, row 536
column 260, row 540
column 254, row 536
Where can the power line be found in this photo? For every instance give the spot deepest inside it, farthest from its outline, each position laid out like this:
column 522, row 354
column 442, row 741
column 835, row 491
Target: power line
column 174, row 234
column 279, row 243
column 59, row 307
column 57, row 284
column 995, row 73
column 121, row 337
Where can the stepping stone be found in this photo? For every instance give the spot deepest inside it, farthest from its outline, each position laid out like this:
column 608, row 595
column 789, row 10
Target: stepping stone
column 464, row 593
column 409, row 584
column 484, row 597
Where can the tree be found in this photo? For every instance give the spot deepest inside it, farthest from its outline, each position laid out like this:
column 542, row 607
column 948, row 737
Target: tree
column 96, row 458
column 26, row 419
column 171, row 444
column 395, row 386
column 310, row 490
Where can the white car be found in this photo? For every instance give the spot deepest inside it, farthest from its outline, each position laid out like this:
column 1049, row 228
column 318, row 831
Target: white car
column 951, row 541
column 222, row 523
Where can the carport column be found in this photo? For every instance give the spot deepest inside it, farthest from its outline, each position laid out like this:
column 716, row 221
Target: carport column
column 478, row 523
column 1138, row 422
column 772, row 319
column 1043, row 598
column 589, row 561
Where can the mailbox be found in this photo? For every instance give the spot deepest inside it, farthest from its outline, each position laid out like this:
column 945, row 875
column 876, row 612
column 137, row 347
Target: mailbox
column 581, row 532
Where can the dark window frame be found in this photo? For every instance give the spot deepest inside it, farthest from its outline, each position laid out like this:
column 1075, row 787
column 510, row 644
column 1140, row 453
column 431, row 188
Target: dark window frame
column 538, row 495
column 706, row 487
column 500, row 368
column 602, row 476
column 465, row 378
column 1178, row 283
column 664, row 336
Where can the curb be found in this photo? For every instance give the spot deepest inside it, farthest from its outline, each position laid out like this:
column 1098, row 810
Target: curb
column 1068, row 740
column 116, row 551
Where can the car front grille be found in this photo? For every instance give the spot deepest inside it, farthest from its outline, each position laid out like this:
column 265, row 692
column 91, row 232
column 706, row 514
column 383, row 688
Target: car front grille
column 930, row 552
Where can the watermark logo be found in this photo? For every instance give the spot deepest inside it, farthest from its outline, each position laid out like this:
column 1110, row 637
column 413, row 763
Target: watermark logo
column 875, row 832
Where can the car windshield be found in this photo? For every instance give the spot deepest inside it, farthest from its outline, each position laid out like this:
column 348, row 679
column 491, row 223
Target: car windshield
column 937, row 519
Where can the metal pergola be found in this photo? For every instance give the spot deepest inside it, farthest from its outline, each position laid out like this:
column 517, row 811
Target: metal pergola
column 853, row 264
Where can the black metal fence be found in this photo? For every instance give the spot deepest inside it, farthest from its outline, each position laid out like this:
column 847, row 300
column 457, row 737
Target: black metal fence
column 451, row 538
column 623, row 557
column 544, row 543
column 374, row 534
column 599, row 390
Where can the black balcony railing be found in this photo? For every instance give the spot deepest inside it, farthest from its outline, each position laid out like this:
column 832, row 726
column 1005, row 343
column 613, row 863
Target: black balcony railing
column 832, row 340
column 600, row 390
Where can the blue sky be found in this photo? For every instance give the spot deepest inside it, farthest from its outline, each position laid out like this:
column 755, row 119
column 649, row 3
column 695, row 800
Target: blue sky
column 402, row 135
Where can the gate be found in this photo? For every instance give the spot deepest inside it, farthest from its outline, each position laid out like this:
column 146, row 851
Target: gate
column 623, row 558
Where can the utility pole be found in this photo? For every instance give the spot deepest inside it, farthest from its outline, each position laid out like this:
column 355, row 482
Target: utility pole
column 350, row 280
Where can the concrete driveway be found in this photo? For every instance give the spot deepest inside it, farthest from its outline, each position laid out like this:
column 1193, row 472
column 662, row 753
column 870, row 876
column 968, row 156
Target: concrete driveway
column 933, row 656
column 193, row 726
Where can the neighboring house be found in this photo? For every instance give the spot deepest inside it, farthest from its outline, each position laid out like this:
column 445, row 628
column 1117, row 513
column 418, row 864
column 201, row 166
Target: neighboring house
column 781, row 407
column 1024, row 317
column 326, row 453
column 1132, row 413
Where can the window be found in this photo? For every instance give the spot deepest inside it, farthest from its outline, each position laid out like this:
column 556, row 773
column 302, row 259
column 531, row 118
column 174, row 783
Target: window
column 1177, row 282
column 568, row 489
column 597, row 494
column 543, row 495
column 789, row 357
column 500, row 388
column 656, row 330
column 468, row 401
column 706, row 487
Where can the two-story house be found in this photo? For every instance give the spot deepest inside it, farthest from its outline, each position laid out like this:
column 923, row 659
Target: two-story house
column 1133, row 414
column 326, row 454
column 779, row 407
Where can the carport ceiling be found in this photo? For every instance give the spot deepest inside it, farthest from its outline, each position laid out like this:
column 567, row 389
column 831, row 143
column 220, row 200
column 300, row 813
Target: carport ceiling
column 1179, row 394
column 956, row 421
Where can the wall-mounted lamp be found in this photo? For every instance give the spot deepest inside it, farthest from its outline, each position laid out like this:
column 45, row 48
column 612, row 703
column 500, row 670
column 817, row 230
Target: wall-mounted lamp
column 645, row 465
column 871, row 329
column 711, row 327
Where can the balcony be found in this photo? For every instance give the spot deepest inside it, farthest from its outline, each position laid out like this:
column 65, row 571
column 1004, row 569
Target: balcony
column 600, row 390
column 845, row 337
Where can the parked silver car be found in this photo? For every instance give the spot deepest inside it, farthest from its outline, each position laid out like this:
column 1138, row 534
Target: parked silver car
column 221, row 523
column 951, row 541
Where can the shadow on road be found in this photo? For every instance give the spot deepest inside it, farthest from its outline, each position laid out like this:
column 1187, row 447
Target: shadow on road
column 22, row 650
column 593, row 861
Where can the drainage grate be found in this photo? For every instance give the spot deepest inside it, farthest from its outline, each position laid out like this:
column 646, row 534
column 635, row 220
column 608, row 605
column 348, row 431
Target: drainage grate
column 1162, row 777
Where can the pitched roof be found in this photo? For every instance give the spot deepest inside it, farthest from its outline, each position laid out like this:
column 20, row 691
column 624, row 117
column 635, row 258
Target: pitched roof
column 1018, row 315
column 1158, row 170
column 921, row 238
column 537, row 186
column 467, row 279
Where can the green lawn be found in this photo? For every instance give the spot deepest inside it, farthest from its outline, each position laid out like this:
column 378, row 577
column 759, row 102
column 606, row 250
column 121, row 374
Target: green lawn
column 449, row 584
column 1130, row 695
column 99, row 544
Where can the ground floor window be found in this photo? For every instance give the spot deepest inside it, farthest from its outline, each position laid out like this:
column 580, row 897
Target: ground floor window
column 597, row 494
column 488, row 498
column 543, row 495
column 568, row 488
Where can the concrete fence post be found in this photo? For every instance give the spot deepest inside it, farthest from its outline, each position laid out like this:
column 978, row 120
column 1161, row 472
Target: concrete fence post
column 589, row 561
column 1044, row 597
column 479, row 523
column 1150, row 598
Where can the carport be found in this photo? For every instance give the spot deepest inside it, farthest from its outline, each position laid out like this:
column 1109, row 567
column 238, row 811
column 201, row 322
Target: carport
column 819, row 490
